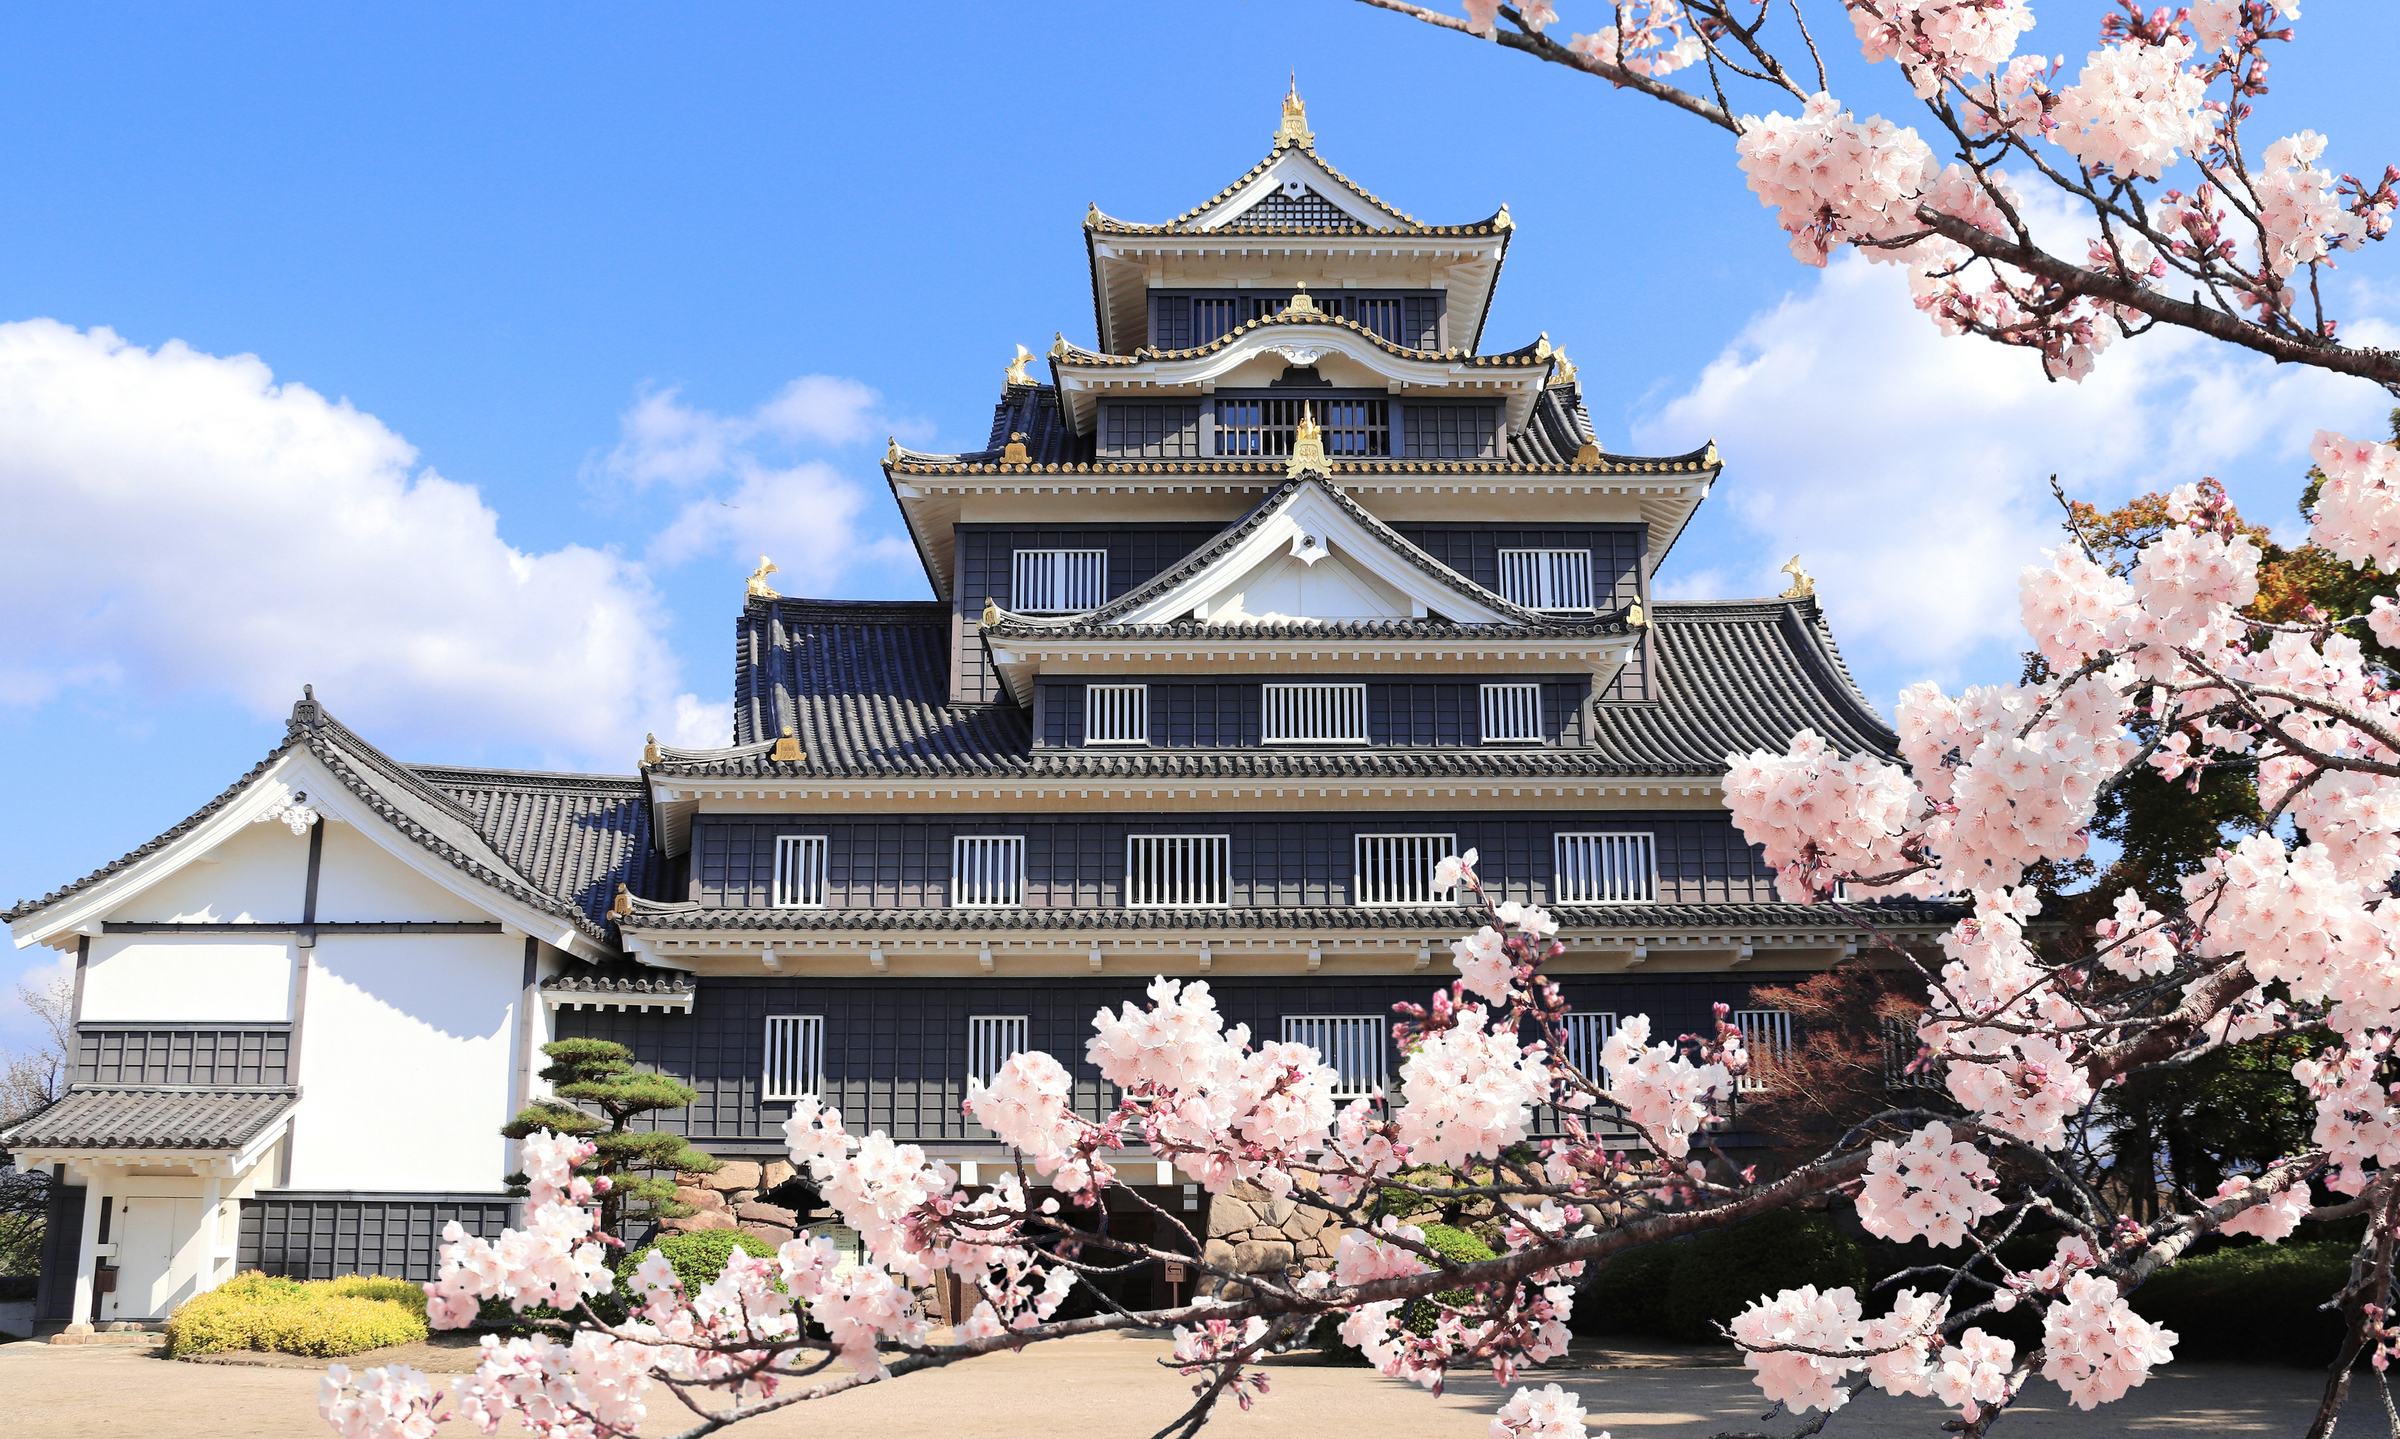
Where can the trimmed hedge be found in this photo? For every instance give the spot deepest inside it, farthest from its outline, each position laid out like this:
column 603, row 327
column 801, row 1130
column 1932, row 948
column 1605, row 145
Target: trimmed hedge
column 1421, row 1316
column 325, row 1318
column 697, row 1258
column 2257, row 1302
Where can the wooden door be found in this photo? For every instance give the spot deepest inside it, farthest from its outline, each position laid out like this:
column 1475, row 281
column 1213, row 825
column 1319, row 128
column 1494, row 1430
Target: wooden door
column 149, row 1232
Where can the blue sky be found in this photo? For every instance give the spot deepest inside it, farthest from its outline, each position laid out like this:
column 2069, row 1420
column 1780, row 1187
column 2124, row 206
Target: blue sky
column 603, row 301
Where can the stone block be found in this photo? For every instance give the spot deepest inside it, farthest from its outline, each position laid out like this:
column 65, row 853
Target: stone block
column 776, row 1175
column 1217, row 1252
column 733, row 1174
column 1229, row 1213
column 1279, row 1212
column 1262, row 1256
column 753, row 1212
column 705, row 1219
column 699, row 1198
column 775, row 1234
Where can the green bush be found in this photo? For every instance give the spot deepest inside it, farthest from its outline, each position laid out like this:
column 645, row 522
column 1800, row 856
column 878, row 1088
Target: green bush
column 326, row 1318
column 1724, row 1273
column 698, row 1258
column 1421, row 1316
column 2257, row 1302
column 1629, row 1295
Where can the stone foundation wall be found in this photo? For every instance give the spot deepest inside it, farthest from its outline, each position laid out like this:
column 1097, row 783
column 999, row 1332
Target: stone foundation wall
column 729, row 1199
column 1252, row 1232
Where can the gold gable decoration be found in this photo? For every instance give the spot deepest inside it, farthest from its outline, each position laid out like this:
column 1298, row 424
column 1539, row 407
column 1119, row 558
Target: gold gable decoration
column 1293, row 129
column 1301, row 302
column 787, row 750
column 1308, row 447
column 649, row 749
column 1015, row 453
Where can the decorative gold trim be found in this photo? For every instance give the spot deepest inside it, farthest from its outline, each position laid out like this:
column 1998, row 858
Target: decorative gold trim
column 1015, row 453
column 787, row 750
column 1589, row 454
column 1293, row 128
column 650, row 749
column 1308, row 446
column 991, row 612
column 1300, row 303
column 1564, row 374
column 1016, row 367
column 759, row 589
column 1803, row 585
column 1634, row 618
column 623, row 904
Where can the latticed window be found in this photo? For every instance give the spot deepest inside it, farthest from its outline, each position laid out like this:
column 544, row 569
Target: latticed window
column 1767, row 1034
column 1587, row 1031
column 1116, row 714
column 1452, row 432
column 1512, row 714
column 991, row 1039
column 1314, row 714
column 1059, row 581
column 987, row 871
column 1178, row 871
column 795, row 1056
column 1606, row 869
column 1395, row 869
column 1264, row 426
column 1284, row 207
column 1150, row 431
column 800, row 871
column 1351, row 1045
column 1547, row 579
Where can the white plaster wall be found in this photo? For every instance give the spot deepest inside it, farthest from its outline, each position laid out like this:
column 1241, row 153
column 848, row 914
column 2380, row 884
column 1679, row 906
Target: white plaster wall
column 359, row 880
column 172, row 977
column 257, row 876
column 404, row 1062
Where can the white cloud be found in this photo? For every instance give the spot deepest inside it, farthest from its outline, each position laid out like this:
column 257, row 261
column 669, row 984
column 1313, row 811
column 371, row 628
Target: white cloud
column 1911, row 470
column 701, row 724
column 663, row 439
column 179, row 523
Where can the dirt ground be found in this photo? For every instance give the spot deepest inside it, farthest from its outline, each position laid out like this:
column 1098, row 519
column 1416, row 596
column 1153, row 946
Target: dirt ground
column 1107, row 1386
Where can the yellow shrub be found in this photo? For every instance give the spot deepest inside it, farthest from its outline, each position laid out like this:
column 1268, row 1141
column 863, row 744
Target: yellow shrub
column 324, row 1318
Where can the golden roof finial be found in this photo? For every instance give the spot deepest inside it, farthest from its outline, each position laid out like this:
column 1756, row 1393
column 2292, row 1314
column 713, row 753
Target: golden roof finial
column 891, row 449
column 623, row 905
column 759, row 588
column 991, row 612
column 1588, row 453
column 1016, row 367
column 650, row 749
column 1015, row 453
column 1294, row 128
column 1301, row 303
column 1308, row 446
column 1564, row 372
column 787, row 749
column 1058, row 344
column 1541, row 347
column 1803, row 585
column 1634, row 618
column 1504, row 220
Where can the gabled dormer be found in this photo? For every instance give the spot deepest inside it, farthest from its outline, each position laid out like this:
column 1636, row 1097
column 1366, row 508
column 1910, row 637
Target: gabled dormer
column 1291, row 218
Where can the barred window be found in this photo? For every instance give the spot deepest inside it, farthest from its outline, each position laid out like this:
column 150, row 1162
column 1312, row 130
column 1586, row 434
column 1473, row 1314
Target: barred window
column 1512, row 714
column 1606, row 869
column 800, row 871
column 1116, row 714
column 1767, row 1034
column 1452, row 432
column 991, row 1039
column 795, row 1056
column 1351, row 1045
column 1178, row 871
column 987, row 871
column 1315, row 714
column 1901, row 1048
column 1264, row 426
column 1214, row 317
column 1547, row 579
column 1150, row 431
column 1397, row 869
column 1050, row 582
column 1588, row 1031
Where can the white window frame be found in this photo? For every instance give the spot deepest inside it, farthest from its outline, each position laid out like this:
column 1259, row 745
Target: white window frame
column 1351, row 1040
column 1058, row 582
column 1520, row 702
column 991, row 1040
column 1187, row 863
column 982, row 893
column 1587, row 1032
column 795, row 1057
column 799, row 871
column 1767, row 1034
column 1325, row 707
column 1382, row 866
column 1550, row 580
column 1124, row 710
column 1607, row 859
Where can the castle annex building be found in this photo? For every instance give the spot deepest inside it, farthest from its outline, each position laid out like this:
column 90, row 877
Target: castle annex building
column 1286, row 585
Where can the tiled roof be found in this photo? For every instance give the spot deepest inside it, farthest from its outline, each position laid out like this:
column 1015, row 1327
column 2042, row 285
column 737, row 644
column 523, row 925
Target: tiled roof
column 624, row 979
column 865, row 686
column 544, row 841
column 653, row 917
column 1554, row 434
column 1740, row 675
column 1537, row 355
column 1498, row 223
column 152, row 1118
column 576, row 836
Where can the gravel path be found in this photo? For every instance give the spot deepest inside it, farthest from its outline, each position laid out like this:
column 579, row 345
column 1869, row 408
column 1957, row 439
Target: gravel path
column 1104, row 1387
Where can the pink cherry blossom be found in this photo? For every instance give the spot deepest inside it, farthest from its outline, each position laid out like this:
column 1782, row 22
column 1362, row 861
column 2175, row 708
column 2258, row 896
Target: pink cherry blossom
column 2095, row 1347
column 1817, row 1327
column 1939, row 40
column 2272, row 1221
column 1932, row 1187
column 2358, row 509
column 1545, row 1413
column 1971, row 1373
column 2134, row 108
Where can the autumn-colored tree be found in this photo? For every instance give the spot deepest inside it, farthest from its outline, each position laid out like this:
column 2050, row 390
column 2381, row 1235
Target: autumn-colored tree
column 1858, row 1028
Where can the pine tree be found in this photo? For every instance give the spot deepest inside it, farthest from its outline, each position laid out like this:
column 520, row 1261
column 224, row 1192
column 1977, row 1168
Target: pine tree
column 598, row 1073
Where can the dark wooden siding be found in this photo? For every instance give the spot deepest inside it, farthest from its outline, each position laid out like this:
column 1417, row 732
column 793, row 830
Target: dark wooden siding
column 196, row 1054
column 1078, row 862
column 1474, row 551
column 1401, row 714
column 311, row 1235
column 986, row 570
column 62, row 1238
column 896, row 1049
